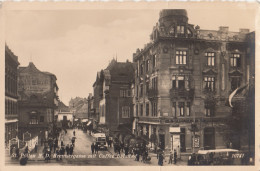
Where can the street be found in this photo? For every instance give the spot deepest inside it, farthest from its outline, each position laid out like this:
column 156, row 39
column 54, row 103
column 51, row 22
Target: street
column 83, row 156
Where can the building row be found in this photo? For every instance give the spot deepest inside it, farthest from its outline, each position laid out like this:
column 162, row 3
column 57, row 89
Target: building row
column 31, row 101
column 188, row 88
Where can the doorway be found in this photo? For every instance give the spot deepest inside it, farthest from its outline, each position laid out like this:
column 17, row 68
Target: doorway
column 162, row 141
column 209, row 138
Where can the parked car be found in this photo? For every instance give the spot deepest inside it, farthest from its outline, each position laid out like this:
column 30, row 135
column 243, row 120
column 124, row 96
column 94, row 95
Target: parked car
column 217, row 157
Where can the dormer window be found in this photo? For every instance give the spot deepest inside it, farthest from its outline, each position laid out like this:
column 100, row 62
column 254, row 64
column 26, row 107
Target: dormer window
column 235, row 60
column 180, row 29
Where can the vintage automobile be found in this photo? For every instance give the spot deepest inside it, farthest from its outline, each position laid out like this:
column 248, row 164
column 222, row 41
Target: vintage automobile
column 217, row 157
column 100, row 139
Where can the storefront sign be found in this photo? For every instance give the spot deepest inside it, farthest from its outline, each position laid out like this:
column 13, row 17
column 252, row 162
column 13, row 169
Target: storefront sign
column 174, row 129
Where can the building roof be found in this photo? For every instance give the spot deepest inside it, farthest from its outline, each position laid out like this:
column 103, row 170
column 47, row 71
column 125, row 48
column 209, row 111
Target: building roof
column 62, row 107
column 9, row 53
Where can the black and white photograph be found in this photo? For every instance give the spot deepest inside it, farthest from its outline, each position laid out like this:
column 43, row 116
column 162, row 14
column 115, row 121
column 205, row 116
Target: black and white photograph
column 159, row 86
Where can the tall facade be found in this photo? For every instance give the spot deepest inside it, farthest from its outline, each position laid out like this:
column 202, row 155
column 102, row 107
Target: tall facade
column 115, row 106
column 11, row 95
column 38, row 100
column 183, row 79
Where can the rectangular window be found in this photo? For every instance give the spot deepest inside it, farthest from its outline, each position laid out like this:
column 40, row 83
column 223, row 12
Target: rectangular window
column 188, row 109
column 209, row 83
column 147, row 109
column 154, row 83
column 42, row 118
column 141, row 130
column 210, row 58
column 142, row 90
column 209, row 111
column 125, row 112
column 147, row 65
column 174, row 109
column 147, row 87
column 154, row 109
column 235, row 60
column 181, row 57
column 154, row 61
column 141, row 69
column 141, row 109
column 181, row 108
column 124, row 93
column 136, row 109
column 173, row 82
column 235, row 83
column 180, row 29
column 181, row 83
column 33, row 120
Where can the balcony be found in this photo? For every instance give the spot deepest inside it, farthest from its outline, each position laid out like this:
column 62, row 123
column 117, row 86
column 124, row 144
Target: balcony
column 181, row 93
column 152, row 93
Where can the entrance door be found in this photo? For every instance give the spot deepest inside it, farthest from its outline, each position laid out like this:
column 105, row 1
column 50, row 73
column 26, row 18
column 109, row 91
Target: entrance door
column 182, row 140
column 209, row 138
column 162, row 141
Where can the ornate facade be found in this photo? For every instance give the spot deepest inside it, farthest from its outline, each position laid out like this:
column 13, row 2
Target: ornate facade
column 38, row 100
column 183, row 79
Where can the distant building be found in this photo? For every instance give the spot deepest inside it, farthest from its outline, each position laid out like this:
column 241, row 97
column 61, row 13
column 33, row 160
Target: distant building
column 183, row 79
column 11, row 95
column 115, row 106
column 65, row 116
column 38, row 100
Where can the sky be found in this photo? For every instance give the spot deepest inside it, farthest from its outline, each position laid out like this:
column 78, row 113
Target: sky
column 76, row 44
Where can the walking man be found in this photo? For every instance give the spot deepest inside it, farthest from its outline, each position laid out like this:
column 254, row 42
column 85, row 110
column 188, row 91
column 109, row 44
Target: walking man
column 92, row 148
column 74, row 133
column 175, row 156
column 96, row 148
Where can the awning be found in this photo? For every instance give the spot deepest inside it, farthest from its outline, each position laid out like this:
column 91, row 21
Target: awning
column 84, row 120
column 89, row 123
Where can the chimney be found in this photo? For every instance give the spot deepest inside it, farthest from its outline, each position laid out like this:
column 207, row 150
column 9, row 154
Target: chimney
column 223, row 29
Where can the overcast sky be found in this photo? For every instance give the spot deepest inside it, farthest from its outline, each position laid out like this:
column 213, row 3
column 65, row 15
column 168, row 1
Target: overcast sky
column 75, row 44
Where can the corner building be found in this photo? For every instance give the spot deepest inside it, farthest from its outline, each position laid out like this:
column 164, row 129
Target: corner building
column 183, row 79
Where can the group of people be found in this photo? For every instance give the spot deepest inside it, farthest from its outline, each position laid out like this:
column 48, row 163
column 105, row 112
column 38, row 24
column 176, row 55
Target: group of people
column 172, row 157
column 94, row 148
column 141, row 150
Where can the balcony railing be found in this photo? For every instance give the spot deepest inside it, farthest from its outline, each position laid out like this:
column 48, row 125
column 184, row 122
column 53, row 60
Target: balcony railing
column 181, row 93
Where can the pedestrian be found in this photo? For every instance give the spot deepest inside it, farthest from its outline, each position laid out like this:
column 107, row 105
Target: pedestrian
column 61, row 143
column 96, row 148
column 36, row 147
column 62, row 152
column 175, row 156
column 73, row 141
column 17, row 153
column 68, row 149
column 170, row 158
column 74, row 133
column 178, row 152
column 92, row 148
column 71, row 149
column 57, row 154
column 160, row 159
column 126, row 150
